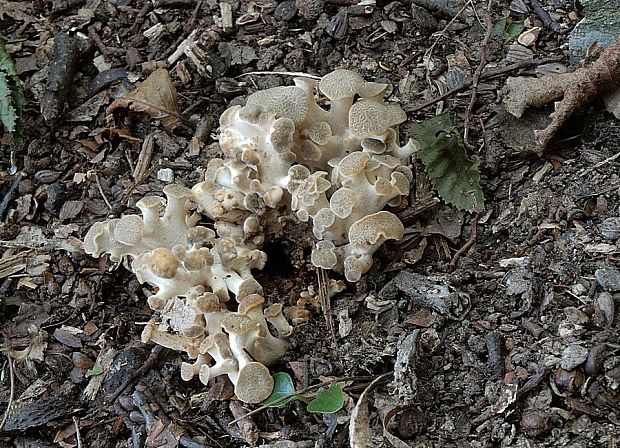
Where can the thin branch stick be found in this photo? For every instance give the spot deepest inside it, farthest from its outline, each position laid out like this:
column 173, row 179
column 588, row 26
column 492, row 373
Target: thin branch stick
column 100, row 188
column 468, row 244
column 12, row 393
column 323, row 280
column 139, row 372
column 489, row 74
column 600, row 164
column 476, row 76
column 429, row 53
column 76, row 422
column 308, row 389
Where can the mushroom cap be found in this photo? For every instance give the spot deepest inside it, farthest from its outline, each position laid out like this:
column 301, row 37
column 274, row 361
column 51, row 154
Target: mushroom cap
column 323, row 219
column 177, row 191
column 129, row 230
column 238, row 324
column 163, row 263
column 275, row 317
column 353, row 164
column 340, row 84
column 91, row 245
column 249, row 112
column 320, row 133
column 310, row 151
column 383, row 187
column 273, row 196
column 287, row 102
column 368, row 230
column 373, row 145
column 281, row 136
column 197, row 259
column 254, row 383
column 356, row 265
column 406, row 171
column 187, row 371
column 298, row 314
column 208, row 303
column 371, row 89
column 273, row 310
column 368, row 118
column 401, row 183
column 193, row 331
column 250, row 303
column 247, row 287
column 200, row 234
column 149, row 202
column 324, row 255
column 395, row 114
column 308, row 84
column 342, row 202
column 216, row 345
column 147, row 332
column 386, row 160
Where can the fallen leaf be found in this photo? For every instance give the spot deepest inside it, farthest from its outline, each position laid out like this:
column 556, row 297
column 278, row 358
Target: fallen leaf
column 360, row 432
column 156, row 97
column 450, row 170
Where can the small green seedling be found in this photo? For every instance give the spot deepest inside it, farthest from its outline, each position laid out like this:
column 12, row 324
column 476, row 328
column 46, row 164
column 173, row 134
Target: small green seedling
column 506, row 29
column 326, row 401
column 96, row 369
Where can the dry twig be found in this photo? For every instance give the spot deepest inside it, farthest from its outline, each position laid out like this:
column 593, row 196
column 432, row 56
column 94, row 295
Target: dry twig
column 476, row 76
column 150, row 361
column 78, row 436
column 468, row 244
column 12, row 392
column 575, row 90
column 489, row 74
column 323, row 280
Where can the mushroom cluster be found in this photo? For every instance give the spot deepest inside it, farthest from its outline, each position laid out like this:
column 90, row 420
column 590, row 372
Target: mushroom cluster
column 338, row 167
column 194, row 273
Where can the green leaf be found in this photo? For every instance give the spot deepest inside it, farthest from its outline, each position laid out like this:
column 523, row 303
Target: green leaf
column 282, row 389
column 499, row 27
column 328, row 401
column 95, row 370
column 8, row 117
column 450, row 170
column 513, row 30
column 12, row 98
column 505, row 29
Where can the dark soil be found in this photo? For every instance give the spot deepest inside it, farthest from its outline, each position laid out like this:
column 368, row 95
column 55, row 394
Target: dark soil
column 522, row 350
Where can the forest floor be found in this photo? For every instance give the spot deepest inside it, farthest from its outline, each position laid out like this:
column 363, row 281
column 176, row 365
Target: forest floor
column 519, row 344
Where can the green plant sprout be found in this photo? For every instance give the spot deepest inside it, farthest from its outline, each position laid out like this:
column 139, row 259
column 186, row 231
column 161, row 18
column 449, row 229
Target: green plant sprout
column 325, row 402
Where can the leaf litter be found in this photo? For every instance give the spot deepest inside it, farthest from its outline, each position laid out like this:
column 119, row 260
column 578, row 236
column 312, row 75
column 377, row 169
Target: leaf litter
column 458, row 339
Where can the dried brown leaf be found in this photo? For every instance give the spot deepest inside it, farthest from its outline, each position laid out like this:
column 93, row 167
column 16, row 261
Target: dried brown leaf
column 360, row 432
column 391, row 438
column 156, row 97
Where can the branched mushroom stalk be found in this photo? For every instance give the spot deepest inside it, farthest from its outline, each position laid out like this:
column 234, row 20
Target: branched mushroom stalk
column 339, row 167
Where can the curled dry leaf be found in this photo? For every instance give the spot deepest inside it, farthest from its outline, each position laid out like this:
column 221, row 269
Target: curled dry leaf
column 360, row 432
column 575, row 90
column 156, row 97
column 418, row 424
